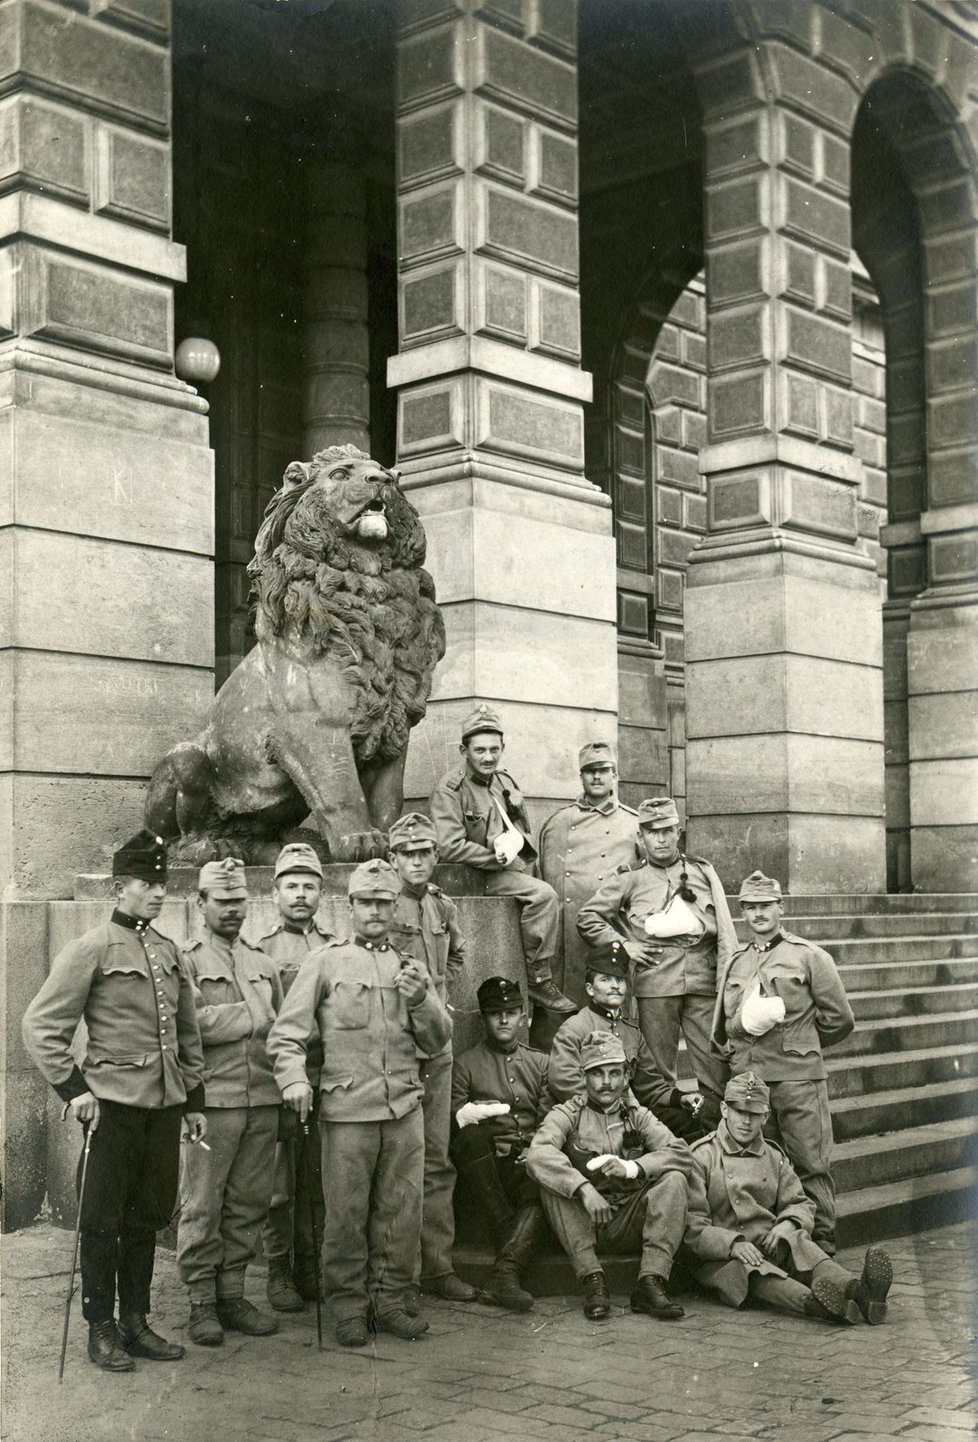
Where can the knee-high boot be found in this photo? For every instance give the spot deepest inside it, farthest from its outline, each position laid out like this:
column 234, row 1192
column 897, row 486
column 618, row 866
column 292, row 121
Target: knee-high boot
column 514, row 1256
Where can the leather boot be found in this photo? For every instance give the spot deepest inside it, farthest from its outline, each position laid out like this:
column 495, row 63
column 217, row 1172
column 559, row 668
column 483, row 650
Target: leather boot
column 597, row 1302
column 873, row 1288
column 105, row 1350
column 204, row 1328
column 280, row 1289
column 512, row 1259
column 650, row 1296
column 544, row 993
column 139, row 1340
column 830, row 1303
column 235, row 1314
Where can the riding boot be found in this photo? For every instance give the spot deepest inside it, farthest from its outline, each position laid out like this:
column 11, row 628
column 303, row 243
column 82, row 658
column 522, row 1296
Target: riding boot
column 514, row 1256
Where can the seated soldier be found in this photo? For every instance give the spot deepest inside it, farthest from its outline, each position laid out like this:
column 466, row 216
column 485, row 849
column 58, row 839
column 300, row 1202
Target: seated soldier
column 606, row 985
column 499, row 1093
column 750, row 1223
column 614, row 1178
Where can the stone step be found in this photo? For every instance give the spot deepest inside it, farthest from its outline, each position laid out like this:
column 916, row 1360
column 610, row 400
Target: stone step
column 913, row 1001
column 881, row 1034
column 903, row 948
column 886, row 975
column 841, row 928
column 908, row 1106
column 912, row 1152
column 896, row 904
column 851, row 1076
column 913, row 1205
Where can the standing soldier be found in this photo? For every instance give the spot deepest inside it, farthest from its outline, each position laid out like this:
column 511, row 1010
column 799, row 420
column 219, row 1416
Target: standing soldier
column 673, row 916
column 480, row 819
column 780, row 1000
column 297, row 1195
column 141, row 1075
column 226, row 1190
column 582, row 845
column 372, row 1009
column 426, row 927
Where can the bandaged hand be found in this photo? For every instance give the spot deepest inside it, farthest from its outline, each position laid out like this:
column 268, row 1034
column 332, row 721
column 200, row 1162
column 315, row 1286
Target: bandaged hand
column 759, row 1013
column 507, row 847
column 609, row 1166
column 473, row 1112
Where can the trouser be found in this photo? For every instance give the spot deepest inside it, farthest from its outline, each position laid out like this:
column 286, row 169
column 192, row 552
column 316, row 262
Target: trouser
column 663, row 1018
column 802, row 1122
column 792, row 1291
column 539, row 917
column 373, row 1176
column 225, row 1194
column 653, row 1216
column 437, row 1215
column 495, row 1187
column 297, row 1192
column 130, row 1192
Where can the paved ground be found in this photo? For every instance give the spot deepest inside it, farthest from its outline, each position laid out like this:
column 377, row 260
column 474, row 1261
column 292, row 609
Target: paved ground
column 483, row 1376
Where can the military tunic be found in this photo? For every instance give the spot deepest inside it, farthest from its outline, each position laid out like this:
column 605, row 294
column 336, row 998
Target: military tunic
column 144, row 1063
column 490, row 1155
column 226, row 1190
column 789, row 1055
column 581, row 846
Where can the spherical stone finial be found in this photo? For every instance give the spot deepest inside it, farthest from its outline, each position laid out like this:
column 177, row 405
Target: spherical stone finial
column 197, row 360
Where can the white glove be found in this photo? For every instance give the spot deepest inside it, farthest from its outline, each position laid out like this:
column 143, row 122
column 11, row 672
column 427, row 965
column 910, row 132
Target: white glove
column 473, row 1112
column 759, row 1013
column 508, row 846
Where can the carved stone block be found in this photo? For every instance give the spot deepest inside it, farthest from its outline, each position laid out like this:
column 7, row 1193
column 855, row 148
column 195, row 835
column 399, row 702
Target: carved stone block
column 132, row 178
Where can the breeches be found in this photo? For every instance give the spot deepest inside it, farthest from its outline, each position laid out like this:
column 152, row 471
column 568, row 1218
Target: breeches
column 437, row 1216
column 539, row 916
column 802, row 1122
column 653, row 1218
column 662, row 1020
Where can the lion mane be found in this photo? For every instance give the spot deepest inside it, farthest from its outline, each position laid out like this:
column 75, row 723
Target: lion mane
column 371, row 609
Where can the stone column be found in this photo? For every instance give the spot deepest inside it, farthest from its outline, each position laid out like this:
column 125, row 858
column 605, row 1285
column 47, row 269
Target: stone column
column 336, row 398
column 490, row 433
column 783, row 627
column 106, row 497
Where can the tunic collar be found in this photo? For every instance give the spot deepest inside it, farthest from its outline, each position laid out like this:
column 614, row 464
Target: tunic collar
column 493, row 1045
column 763, row 946
column 606, row 807
column 414, row 892
column 371, row 945
column 131, row 923
column 734, row 1149
column 605, row 1011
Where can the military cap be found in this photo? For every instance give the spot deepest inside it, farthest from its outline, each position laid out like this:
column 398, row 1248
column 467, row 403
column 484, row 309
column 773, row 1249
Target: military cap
column 298, row 856
column 601, row 1048
column 227, row 876
column 608, row 959
column 758, row 887
column 142, row 856
column 483, row 718
column 499, row 994
column 414, row 829
column 375, row 878
column 748, row 1093
column 596, row 753
column 657, row 812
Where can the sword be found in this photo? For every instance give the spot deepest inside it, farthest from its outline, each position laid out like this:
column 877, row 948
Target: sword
column 316, row 1244
column 74, row 1251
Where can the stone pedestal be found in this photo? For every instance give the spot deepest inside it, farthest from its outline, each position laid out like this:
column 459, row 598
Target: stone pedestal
column 490, row 432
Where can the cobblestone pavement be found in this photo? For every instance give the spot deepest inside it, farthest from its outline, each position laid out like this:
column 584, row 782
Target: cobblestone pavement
column 484, row 1376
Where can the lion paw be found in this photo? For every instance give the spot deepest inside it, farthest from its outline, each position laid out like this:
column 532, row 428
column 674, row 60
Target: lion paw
column 358, row 846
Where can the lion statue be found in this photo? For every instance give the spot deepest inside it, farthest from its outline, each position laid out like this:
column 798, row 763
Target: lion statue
column 315, row 720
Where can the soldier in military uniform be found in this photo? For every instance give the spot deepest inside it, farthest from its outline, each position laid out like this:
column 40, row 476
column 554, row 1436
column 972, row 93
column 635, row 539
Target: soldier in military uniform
column 499, row 1094
column 140, row 1079
column 426, row 927
column 297, row 1195
column 480, row 819
column 750, row 1223
column 672, row 914
column 373, row 1009
column 226, row 1190
column 780, row 1000
column 581, row 845
column 607, row 991
column 613, row 1178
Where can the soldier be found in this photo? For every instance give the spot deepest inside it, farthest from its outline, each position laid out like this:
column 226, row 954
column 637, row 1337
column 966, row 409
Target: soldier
column 226, row 1190
column 297, row 1194
column 672, row 913
column 426, row 927
column 750, row 1223
column 607, row 991
column 580, row 846
column 499, row 1094
column 140, row 1078
column 613, row 1177
column 373, row 1009
column 480, row 819
column 780, row 1000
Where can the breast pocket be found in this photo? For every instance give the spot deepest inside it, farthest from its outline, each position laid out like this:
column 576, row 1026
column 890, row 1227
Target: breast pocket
column 348, row 1008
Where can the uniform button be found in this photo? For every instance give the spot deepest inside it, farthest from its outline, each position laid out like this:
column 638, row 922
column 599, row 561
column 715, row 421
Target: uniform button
column 164, row 1047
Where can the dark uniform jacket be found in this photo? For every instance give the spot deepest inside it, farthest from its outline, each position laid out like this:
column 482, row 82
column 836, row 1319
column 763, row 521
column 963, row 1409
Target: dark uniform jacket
column 485, row 1074
column 239, row 993
column 566, row 1075
column 817, row 1010
column 574, row 1131
column 131, row 986
column 467, row 819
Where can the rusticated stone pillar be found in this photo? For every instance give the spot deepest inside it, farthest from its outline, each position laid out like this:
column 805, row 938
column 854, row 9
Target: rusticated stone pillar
column 106, row 503
column 336, row 399
column 490, row 434
column 783, row 626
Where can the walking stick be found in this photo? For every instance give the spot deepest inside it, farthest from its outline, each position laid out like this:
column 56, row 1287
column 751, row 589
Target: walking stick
column 74, row 1251
column 316, row 1244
